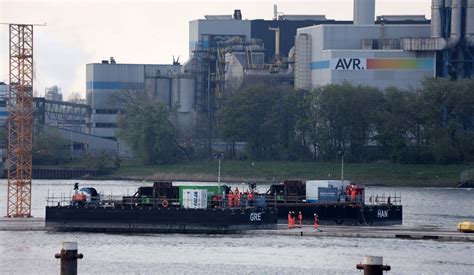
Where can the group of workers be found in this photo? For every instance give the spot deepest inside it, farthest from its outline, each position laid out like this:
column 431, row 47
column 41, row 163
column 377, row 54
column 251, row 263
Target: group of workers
column 235, row 198
column 292, row 220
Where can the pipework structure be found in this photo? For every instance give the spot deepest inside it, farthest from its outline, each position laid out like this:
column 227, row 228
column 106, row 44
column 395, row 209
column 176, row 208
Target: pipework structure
column 20, row 121
column 452, row 38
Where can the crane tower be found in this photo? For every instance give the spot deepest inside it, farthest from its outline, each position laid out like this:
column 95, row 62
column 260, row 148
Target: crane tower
column 20, row 121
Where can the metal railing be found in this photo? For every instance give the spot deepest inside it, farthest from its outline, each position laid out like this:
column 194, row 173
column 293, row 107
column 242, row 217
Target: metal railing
column 244, row 202
column 383, row 199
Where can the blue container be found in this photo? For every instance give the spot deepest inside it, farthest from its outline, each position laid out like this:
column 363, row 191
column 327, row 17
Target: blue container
column 328, row 194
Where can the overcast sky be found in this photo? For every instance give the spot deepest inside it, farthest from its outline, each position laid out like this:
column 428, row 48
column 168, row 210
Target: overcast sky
column 139, row 31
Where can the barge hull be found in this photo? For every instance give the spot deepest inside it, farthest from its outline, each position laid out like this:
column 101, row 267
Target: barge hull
column 158, row 220
column 344, row 214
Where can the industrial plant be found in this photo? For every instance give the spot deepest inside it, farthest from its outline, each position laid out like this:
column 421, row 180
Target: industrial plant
column 302, row 51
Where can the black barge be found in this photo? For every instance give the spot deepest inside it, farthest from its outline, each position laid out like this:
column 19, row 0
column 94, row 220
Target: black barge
column 162, row 208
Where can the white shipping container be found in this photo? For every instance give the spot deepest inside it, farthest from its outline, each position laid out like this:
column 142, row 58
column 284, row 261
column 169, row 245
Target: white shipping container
column 312, row 187
column 195, row 198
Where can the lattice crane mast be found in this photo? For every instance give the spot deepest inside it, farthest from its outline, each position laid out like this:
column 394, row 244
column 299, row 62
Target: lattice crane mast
column 20, row 120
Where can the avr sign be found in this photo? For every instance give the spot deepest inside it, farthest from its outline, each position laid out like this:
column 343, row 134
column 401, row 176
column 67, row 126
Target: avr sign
column 348, row 64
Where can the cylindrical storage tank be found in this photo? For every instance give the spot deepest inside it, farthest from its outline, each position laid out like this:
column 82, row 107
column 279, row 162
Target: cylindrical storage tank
column 175, row 98
column 187, row 94
column 364, row 12
column 163, row 90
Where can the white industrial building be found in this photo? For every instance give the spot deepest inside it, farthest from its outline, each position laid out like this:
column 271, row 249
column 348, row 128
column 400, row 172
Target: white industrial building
column 361, row 53
column 104, row 81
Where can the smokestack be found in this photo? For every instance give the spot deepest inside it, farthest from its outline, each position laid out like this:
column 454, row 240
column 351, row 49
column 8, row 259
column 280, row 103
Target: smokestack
column 364, row 12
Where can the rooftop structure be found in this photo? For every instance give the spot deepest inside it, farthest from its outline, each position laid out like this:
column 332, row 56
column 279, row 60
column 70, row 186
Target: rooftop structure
column 53, row 93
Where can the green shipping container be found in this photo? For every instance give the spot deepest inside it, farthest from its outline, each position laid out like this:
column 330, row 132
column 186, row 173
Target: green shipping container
column 211, row 191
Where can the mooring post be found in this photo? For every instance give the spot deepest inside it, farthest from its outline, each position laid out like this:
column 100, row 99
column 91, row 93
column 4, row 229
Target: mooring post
column 68, row 256
column 373, row 265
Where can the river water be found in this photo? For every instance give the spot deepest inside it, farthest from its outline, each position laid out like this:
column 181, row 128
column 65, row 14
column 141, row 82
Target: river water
column 33, row 252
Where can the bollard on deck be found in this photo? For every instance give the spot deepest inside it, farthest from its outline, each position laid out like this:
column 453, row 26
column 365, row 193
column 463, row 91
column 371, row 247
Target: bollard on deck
column 373, row 265
column 68, row 256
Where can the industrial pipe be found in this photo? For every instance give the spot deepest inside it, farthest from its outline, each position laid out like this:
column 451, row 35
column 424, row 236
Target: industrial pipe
column 68, row 256
column 277, row 40
column 469, row 37
column 436, row 11
column 456, row 16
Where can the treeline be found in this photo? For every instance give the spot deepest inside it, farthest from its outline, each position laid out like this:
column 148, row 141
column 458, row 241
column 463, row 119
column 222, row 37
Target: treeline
column 432, row 124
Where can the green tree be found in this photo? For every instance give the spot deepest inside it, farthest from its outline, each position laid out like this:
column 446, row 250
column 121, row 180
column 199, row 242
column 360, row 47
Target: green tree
column 343, row 119
column 264, row 117
column 145, row 127
column 396, row 124
column 448, row 115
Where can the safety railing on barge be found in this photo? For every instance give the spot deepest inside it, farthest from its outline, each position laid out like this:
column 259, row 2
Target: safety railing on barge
column 258, row 200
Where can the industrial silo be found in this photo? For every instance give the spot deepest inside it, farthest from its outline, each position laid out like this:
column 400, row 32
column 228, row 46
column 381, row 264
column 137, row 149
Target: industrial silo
column 183, row 94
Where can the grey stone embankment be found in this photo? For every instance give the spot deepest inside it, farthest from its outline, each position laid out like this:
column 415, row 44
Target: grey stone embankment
column 382, row 232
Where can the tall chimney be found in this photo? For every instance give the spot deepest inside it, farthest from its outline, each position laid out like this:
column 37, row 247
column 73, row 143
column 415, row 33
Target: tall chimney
column 364, row 12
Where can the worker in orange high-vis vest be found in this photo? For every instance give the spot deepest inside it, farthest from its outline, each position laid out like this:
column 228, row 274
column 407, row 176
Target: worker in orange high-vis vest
column 250, row 198
column 289, row 220
column 353, row 195
column 237, row 198
column 300, row 219
column 230, row 196
column 293, row 219
column 316, row 222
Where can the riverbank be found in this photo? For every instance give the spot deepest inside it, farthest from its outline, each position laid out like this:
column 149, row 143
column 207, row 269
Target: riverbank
column 372, row 174
column 375, row 174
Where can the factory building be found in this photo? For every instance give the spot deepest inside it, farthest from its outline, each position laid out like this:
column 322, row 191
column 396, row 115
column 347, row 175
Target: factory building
column 106, row 80
column 227, row 51
column 383, row 55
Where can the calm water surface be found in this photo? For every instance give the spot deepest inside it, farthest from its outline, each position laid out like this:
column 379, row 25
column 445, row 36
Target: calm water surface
column 33, row 252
